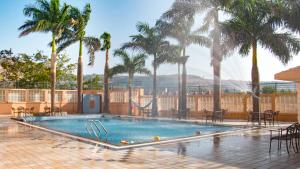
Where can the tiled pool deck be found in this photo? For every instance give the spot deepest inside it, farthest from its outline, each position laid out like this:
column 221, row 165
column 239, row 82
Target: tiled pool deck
column 28, row 148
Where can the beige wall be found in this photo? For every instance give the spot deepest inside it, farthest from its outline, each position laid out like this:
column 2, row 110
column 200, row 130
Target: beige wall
column 236, row 104
column 298, row 98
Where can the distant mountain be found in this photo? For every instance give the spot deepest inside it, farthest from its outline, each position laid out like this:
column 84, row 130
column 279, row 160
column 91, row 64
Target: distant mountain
column 170, row 82
column 194, row 83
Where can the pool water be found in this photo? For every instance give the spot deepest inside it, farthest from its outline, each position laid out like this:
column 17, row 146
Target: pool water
column 132, row 130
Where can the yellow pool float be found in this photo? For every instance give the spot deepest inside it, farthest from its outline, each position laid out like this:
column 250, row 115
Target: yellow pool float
column 124, row 142
column 156, row 138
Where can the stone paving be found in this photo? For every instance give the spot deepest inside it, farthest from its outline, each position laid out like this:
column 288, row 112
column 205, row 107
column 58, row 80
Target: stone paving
column 22, row 147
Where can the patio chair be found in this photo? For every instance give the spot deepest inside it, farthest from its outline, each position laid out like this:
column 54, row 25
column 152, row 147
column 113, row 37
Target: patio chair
column 284, row 134
column 47, row 111
column 207, row 115
column 14, row 111
column 269, row 116
column 29, row 111
column 254, row 116
column 275, row 117
column 57, row 111
column 20, row 111
column 219, row 115
column 174, row 113
column 297, row 136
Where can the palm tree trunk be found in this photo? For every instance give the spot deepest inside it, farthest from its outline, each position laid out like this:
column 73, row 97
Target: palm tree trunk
column 216, row 63
column 179, row 88
column 255, row 78
column 79, row 79
column 154, row 97
column 183, row 95
column 106, row 84
column 217, row 85
column 129, row 94
column 53, row 73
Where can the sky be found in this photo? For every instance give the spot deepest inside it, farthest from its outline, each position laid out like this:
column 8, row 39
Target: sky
column 119, row 18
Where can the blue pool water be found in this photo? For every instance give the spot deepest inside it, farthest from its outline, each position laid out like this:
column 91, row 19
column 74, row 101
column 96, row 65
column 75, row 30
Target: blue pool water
column 131, row 129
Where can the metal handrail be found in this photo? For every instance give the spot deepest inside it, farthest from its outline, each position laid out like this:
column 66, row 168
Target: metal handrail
column 89, row 127
column 93, row 128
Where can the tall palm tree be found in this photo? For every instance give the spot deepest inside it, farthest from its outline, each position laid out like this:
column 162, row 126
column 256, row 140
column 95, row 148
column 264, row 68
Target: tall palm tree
column 105, row 37
column 211, row 8
column 151, row 42
column 47, row 16
column 77, row 34
column 253, row 24
column 131, row 65
column 180, row 28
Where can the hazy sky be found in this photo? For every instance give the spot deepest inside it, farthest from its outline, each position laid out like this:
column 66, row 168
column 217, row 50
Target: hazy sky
column 119, row 17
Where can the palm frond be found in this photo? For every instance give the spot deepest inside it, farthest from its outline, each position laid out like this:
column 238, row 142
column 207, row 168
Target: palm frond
column 143, row 71
column 283, row 45
column 106, row 37
column 123, row 55
column 200, row 40
column 118, row 69
column 66, row 44
column 93, row 45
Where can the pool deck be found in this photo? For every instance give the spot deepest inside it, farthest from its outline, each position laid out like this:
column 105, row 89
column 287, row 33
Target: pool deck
column 22, row 147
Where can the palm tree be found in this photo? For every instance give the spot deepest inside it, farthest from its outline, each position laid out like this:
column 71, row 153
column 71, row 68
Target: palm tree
column 105, row 47
column 131, row 65
column 288, row 13
column 151, row 42
column 180, row 28
column 47, row 16
column 188, row 9
column 253, row 24
column 77, row 33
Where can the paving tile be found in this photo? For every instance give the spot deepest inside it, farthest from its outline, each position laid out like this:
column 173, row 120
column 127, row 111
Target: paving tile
column 27, row 148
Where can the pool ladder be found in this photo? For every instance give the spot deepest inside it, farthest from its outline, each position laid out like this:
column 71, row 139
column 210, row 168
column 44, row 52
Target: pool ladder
column 94, row 127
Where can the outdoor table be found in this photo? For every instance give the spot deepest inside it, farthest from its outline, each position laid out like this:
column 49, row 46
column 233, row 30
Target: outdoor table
column 257, row 115
column 220, row 114
column 64, row 113
column 266, row 115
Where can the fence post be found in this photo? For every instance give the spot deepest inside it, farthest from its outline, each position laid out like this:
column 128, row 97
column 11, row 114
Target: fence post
column 274, row 101
column 196, row 104
column 139, row 100
column 245, row 105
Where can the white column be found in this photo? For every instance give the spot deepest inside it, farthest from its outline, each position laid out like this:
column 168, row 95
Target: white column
column 298, row 100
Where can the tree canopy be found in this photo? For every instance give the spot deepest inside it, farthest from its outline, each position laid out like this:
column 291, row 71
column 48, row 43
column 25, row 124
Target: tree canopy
column 33, row 71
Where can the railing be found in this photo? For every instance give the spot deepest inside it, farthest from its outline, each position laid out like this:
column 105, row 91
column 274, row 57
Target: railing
column 285, row 103
column 94, row 127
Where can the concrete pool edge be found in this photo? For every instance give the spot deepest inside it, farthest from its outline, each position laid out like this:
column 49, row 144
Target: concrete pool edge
column 115, row 147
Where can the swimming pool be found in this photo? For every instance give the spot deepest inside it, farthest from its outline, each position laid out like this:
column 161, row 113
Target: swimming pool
column 131, row 130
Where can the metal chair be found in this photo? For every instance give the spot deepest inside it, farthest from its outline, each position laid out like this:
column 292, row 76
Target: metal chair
column 20, row 111
column 284, row 134
column 207, row 115
column 269, row 116
column 47, row 111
